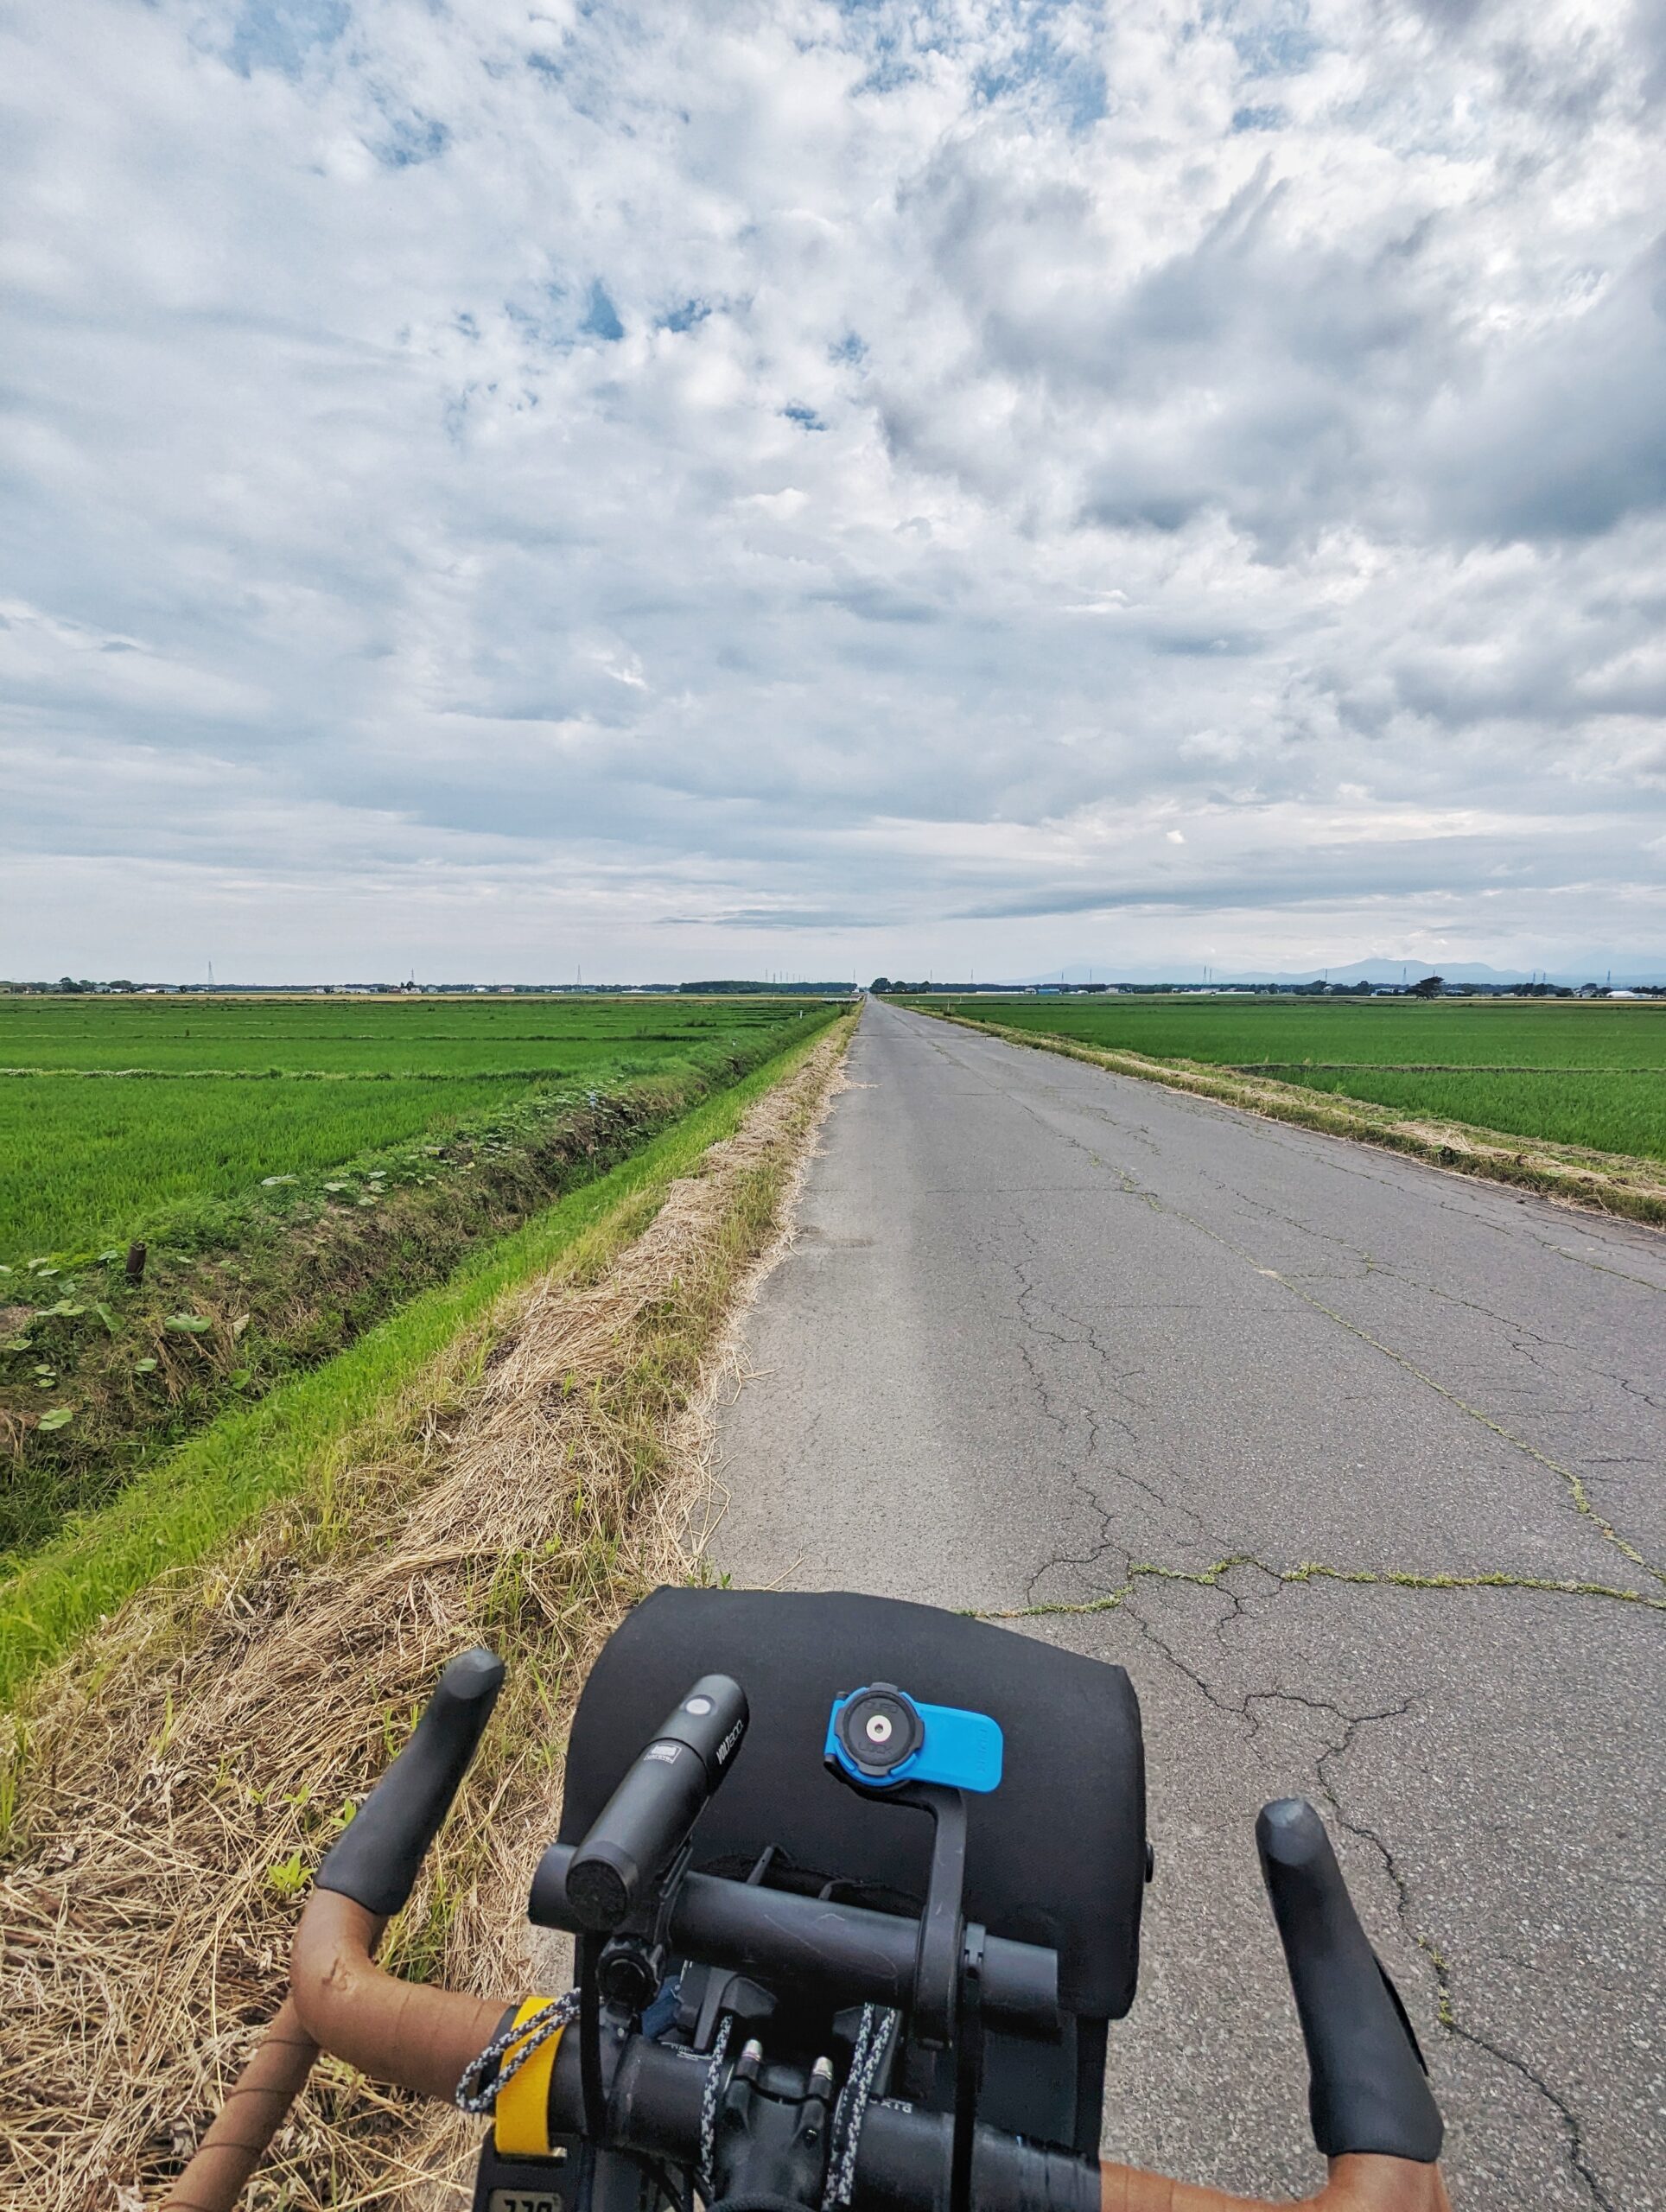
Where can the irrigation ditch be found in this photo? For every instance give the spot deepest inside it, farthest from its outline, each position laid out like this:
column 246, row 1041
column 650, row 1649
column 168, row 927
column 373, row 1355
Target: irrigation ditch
column 168, row 1785
column 104, row 1371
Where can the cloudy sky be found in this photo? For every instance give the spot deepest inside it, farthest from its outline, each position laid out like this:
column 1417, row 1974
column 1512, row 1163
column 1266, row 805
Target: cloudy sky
column 491, row 486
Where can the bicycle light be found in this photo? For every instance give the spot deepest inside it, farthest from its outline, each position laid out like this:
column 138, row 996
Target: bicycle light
column 878, row 1737
column 646, row 1820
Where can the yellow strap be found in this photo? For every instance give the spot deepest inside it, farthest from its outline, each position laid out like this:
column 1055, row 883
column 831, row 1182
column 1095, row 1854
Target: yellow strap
column 521, row 2115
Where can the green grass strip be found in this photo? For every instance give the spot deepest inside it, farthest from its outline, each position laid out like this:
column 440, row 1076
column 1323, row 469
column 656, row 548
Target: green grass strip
column 180, row 1510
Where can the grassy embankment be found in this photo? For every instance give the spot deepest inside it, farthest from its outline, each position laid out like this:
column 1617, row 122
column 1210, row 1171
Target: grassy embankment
column 508, row 1459
column 276, row 1238
column 178, row 1509
column 253, row 1290
column 1569, row 1099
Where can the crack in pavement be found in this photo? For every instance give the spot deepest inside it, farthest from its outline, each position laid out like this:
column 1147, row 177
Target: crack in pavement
column 1030, row 1305
column 1189, row 1083
column 1568, row 2118
column 1209, row 1578
column 1350, row 1725
column 1147, row 1630
column 1446, row 1994
column 1578, row 1495
column 1043, row 1338
column 1030, row 1296
column 1346, row 1156
column 1030, row 1327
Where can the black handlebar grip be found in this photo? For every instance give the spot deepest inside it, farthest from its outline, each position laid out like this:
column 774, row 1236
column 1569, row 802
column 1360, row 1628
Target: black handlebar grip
column 663, row 1792
column 1368, row 2088
column 375, row 1860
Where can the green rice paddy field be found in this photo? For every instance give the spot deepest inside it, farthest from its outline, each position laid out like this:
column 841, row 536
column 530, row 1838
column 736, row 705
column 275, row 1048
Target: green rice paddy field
column 378, row 1036
column 112, row 1110
column 333, row 1195
column 1585, row 1072
column 301, row 1172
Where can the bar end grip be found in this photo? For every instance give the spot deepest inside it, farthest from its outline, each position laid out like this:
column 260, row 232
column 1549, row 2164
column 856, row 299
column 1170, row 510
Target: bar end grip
column 1368, row 2087
column 375, row 1860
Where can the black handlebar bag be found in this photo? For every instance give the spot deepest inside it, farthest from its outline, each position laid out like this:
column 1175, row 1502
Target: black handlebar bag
column 1055, row 1856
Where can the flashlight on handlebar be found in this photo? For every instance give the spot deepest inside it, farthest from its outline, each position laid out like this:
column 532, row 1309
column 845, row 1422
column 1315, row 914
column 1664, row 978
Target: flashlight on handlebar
column 646, row 1820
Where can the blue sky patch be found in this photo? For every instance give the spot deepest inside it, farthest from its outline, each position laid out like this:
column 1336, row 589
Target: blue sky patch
column 412, row 139
column 1278, row 42
column 601, row 316
column 284, row 35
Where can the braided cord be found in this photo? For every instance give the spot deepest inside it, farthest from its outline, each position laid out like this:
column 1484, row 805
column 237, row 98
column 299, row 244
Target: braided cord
column 477, row 2090
column 708, row 2111
column 872, row 2039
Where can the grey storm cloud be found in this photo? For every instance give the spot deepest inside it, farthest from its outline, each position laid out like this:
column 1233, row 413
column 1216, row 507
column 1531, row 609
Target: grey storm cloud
column 500, row 487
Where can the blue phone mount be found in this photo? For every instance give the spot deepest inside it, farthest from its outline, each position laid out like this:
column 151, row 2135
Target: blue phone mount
column 880, row 1737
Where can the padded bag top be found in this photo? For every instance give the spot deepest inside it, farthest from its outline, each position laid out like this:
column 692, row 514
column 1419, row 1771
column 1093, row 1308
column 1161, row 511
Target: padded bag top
column 1055, row 1855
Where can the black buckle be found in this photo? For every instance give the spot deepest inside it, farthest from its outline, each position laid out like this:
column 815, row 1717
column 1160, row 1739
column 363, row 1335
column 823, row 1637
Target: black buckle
column 506, row 2185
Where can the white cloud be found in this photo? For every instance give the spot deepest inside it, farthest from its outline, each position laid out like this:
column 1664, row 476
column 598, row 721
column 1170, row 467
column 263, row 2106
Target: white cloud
column 723, row 486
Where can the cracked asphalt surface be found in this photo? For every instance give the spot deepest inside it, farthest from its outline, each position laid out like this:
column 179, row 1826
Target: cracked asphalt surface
column 1054, row 1338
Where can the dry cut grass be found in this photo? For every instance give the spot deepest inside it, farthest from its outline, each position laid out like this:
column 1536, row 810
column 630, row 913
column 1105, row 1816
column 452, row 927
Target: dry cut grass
column 185, row 1773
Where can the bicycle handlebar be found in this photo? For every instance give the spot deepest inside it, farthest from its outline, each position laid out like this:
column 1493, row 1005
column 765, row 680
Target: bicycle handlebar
column 1372, row 2112
column 822, row 1947
column 370, row 1869
column 415, row 2036
column 375, row 1860
column 1368, row 2088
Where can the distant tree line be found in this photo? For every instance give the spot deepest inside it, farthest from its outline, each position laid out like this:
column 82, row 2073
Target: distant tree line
column 727, row 985
column 68, row 987
column 1428, row 987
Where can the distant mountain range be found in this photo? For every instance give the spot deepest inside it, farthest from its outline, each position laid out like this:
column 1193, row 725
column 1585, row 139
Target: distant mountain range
column 1374, row 970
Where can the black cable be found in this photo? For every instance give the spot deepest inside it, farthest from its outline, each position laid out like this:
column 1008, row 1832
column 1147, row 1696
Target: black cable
column 584, row 2183
column 589, row 2038
column 664, row 2179
column 969, row 2068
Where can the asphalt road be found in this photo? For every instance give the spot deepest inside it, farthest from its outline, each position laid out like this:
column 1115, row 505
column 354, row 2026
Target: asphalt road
column 1050, row 1337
